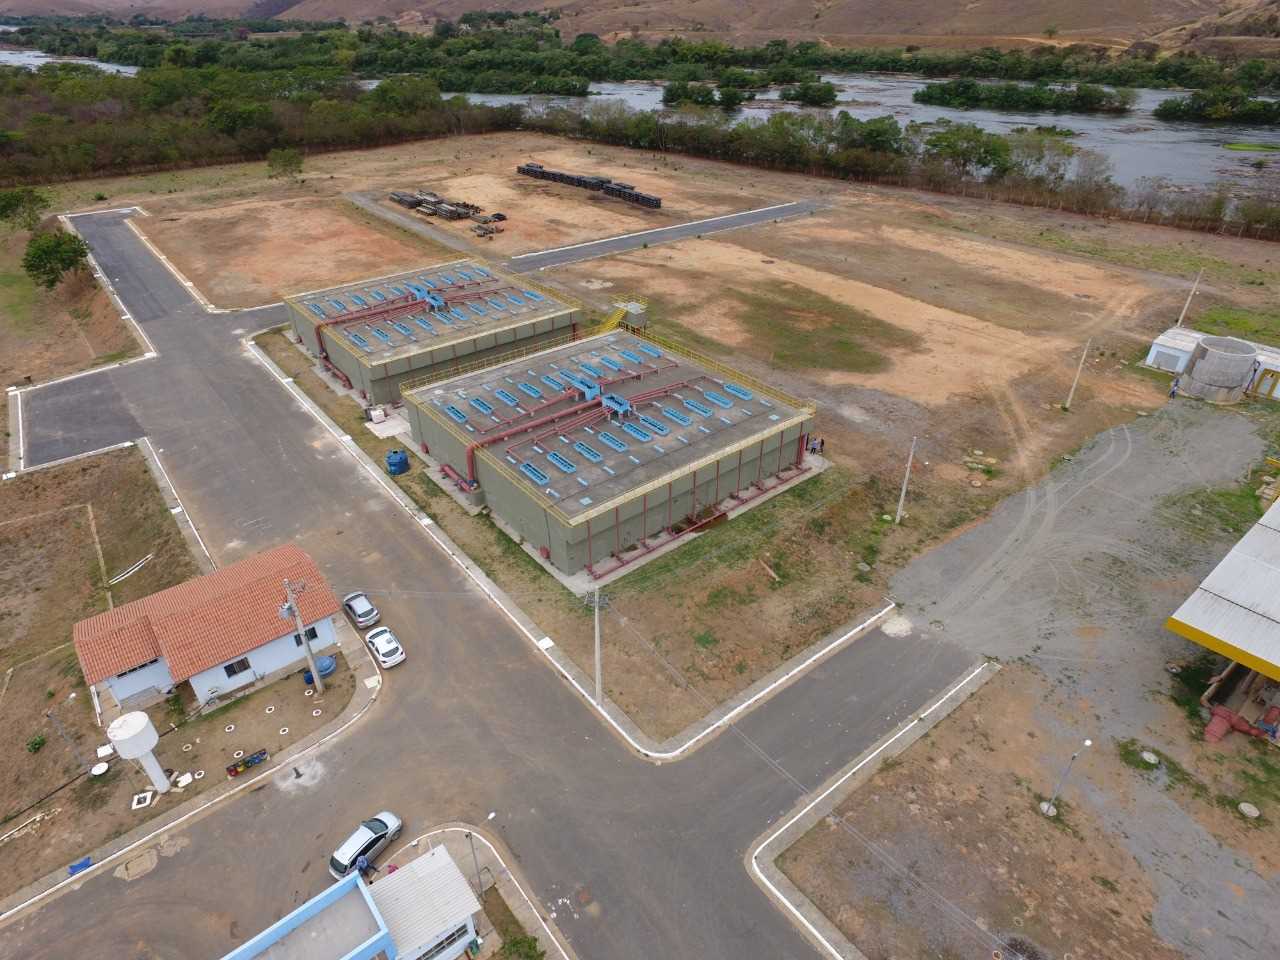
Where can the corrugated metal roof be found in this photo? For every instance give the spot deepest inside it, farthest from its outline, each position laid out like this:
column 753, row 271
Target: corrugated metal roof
column 1236, row 609
column 423, row 900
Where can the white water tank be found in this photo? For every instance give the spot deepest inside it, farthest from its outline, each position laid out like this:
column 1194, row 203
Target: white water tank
column 134, row 737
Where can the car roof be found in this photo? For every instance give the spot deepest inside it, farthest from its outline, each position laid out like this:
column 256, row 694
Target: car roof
column 359, row 601
column 382, row 638
column 351, row 846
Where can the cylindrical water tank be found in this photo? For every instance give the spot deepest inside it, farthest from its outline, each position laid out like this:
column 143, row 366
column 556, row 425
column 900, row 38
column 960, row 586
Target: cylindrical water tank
column 133, row 735
column 1220, row 369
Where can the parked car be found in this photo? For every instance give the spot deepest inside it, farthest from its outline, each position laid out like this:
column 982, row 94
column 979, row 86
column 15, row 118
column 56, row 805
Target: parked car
column 385, row 647
column 360, row 609
column 369, row 840
column 499, row 216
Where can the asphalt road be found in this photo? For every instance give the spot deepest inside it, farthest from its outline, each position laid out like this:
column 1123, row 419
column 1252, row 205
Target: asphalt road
column 472, row 723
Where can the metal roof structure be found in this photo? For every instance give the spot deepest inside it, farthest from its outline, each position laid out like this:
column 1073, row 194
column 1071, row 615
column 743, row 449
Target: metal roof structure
column 1236, row 609
column 423, row 900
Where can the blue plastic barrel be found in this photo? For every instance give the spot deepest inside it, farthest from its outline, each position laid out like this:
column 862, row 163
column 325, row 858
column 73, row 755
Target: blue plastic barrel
column 325, row 665
column 397, row 462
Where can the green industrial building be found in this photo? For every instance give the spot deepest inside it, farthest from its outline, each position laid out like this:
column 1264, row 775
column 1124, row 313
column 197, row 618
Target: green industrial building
column 378, row 334
column 598, row 451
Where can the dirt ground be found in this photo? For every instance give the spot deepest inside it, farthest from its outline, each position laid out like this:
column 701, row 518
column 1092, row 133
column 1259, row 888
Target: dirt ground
column 255, row 252
column 92, row 811
column 1068, row 585
column 49, row 333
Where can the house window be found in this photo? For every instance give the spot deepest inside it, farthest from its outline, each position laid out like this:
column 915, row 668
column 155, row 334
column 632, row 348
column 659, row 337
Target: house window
column 240, row 666
column 141, row 666
column 311, row 635
column 446, row 943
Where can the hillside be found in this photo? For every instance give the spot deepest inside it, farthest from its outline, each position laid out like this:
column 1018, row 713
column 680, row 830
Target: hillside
column 1247, row 28
column 946, row 22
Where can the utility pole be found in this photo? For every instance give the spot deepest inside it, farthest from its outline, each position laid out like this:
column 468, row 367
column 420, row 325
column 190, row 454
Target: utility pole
column 1195, row 286
column 1047, row 806
column 902, row 497
column 1083, row 356
column 475, row 861
column 289, row 610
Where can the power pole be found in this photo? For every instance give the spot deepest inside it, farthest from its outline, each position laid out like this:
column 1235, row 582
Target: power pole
column 290, row 610
column 1049, row 807
column 902, row 497
column 1195, row 286
column 1083, row 356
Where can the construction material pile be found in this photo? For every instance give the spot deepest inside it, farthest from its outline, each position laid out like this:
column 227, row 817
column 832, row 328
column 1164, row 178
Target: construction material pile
column 610, row 188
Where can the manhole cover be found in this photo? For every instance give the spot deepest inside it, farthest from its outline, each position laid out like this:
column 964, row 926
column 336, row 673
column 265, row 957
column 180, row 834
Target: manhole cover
column 271, row 709
column 186, row 748
column 1150, row 758
column 316, row 712
column 283, row 731
column 308, row 693
column 1249, row 810
column 237, row 755
column 98, row 769
column 230, row 727
column 199, row 774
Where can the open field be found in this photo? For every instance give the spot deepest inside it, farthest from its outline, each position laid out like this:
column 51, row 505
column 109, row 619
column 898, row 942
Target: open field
column 901, row 313
column 942, row 852
column 49, row 333
column 255, row 252
column 66, row 531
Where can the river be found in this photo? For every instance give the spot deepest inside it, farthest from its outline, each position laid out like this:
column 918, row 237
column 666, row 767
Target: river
column 1186, row 155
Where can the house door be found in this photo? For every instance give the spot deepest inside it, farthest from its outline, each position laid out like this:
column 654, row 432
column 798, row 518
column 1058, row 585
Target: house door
column 1266, row 384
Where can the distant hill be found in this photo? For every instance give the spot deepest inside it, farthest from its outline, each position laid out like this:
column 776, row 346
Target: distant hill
column 846, row 22
column 1247, row 28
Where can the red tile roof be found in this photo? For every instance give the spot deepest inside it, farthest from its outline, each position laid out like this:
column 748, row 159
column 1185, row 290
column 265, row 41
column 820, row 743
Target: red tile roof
column 204, row 622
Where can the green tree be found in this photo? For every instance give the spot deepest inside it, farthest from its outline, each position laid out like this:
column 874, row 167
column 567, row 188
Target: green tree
column 1051, row 30
column 969, row 150
column 522, row 948
column 284, row 162
column 22, row 208
column 51, row 255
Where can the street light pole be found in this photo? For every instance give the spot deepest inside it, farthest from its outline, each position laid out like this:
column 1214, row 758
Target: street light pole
column 1194, row 287
column 1047, row 806
column 599, row 668
column 475, row 861
column 290, row 609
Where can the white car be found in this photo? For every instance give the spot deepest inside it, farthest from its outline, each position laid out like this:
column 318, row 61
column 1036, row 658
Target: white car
column 370, row 839
column 360, row 609
column 385, row 647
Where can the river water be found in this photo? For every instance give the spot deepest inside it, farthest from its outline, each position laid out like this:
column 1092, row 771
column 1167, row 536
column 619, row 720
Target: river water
column 1186, row 155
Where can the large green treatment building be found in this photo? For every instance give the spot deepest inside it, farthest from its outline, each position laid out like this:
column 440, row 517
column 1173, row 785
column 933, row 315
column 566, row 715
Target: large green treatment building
column 600, row 450
column 376, row 334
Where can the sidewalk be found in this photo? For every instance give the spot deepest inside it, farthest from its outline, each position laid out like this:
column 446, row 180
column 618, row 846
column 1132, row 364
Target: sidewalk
column 368, row 684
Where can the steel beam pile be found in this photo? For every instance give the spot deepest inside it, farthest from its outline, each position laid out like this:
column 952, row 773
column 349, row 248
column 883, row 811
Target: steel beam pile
column 610, row 188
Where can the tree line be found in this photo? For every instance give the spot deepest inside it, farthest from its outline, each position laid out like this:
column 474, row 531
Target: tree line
column 489, row 46
column 66, row 121
column 1220, row 105
column 1038, row 97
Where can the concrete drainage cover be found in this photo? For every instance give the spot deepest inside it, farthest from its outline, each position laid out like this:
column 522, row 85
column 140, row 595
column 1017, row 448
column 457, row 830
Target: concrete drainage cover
column 229, row 728
column 308, row 693
column 141, row 800
column 237, row 755
column 1150, row 758
column 284, row 731
column 186, row 748
column 316, row 712
column 898, row 626
column 271, row 709
column 199, row 775
column 1249, row 810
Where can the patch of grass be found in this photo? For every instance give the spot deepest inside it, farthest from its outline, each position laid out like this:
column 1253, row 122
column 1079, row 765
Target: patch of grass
column 500, row 915
column 1211, row 514
column 722, row 597
column 1176, row 775
column 1261, row 325
column 1105, row 883
column 800, row 329
column 36, row 743
column 114, row 357
column 1189, row 684
column 1251, row 147
column 706, row 640
column 93, row 793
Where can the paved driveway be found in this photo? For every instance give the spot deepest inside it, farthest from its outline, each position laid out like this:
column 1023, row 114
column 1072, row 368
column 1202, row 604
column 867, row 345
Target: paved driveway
column 472, row 723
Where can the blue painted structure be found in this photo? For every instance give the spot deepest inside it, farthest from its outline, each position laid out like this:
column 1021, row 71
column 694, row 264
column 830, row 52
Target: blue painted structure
column 379, row 942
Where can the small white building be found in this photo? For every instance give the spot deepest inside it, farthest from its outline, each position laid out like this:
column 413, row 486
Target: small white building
column 1175, row 349
column 218, row 633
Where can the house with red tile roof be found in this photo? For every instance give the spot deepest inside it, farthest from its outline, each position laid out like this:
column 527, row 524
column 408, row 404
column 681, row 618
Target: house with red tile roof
column 218, row 633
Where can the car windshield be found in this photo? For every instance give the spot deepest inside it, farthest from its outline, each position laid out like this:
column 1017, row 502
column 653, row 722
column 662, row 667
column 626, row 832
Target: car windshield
column 337, row 866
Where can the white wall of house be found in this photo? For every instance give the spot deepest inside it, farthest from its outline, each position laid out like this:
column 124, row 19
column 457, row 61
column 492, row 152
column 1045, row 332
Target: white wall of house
column 153, row 676
column 279, row 654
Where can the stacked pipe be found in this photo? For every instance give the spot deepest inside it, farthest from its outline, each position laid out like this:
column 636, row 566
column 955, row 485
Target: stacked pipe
column 611, row 188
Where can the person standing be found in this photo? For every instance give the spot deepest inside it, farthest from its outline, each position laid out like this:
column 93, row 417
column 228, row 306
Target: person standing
column 1173, row 388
